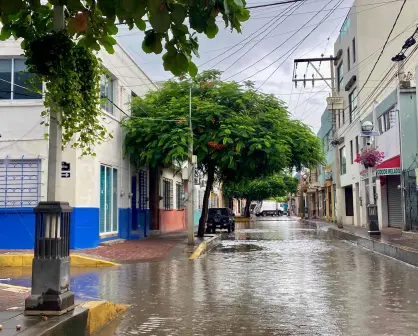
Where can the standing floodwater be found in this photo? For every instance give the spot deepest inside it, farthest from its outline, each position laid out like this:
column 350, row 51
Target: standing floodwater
column 272, row 277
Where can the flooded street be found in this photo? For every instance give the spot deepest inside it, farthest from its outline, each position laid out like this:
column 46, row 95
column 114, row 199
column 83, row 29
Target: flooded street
column 274, row 277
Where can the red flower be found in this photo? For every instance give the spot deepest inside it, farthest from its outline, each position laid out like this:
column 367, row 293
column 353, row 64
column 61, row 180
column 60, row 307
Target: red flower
column 213, row 120
column 370, row 157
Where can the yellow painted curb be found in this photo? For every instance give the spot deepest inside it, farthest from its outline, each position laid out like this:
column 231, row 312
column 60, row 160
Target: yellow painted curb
column 83, row 261
column 201, row 249
column 25, row 260
column 101, row 313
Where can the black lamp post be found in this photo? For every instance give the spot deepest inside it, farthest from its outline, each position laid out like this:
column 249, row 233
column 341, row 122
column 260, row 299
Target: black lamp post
column 50, row 293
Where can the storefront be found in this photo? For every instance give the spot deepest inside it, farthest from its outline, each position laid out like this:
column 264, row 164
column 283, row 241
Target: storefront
column 329, row 195
column 389, row 174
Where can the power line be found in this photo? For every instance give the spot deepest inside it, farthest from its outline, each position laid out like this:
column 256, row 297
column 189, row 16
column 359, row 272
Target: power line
column 298, row 45
column 278, row 24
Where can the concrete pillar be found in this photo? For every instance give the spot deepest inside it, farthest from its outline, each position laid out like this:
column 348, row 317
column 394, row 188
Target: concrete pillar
column 382, row 203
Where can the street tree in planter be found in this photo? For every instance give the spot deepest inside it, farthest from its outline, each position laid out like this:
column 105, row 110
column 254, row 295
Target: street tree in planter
column 265, row 187
column 237, row 132
column 66, row 59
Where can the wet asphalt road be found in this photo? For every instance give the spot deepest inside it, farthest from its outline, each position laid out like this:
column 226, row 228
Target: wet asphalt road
column 274, row 277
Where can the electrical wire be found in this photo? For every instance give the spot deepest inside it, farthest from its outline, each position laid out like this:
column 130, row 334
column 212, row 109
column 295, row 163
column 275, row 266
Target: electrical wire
column 280, row 45
column 297, row 45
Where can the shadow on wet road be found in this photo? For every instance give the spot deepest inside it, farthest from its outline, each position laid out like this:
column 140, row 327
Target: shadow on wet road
column 268, row 278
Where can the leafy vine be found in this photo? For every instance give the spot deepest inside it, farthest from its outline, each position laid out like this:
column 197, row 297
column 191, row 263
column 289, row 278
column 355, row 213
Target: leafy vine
column 72, row 75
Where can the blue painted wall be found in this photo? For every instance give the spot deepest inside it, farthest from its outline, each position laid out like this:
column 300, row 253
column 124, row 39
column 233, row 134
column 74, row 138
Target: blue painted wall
column 17, row 228
column 84, row 228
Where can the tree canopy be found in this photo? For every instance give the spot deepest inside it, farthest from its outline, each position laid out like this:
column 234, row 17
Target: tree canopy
column 238, row 132
column 94, row 23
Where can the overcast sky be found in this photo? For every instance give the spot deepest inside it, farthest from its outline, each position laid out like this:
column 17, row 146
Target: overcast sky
column 260, row 47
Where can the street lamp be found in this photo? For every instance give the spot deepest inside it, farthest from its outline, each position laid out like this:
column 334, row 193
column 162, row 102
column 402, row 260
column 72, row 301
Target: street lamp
column 372, row 217
column 367, row 126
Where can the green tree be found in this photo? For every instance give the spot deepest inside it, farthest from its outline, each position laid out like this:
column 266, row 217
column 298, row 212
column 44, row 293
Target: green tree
column 238, row 132
column 262, row 188
column 67, row 62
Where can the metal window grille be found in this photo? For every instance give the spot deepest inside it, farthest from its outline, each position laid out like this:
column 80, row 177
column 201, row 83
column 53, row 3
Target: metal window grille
column 168, row 194
column 143, row 189
column 179, row 196
column 20, row 182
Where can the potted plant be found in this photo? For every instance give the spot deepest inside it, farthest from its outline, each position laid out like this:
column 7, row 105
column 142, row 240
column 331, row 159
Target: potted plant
column 369, row 157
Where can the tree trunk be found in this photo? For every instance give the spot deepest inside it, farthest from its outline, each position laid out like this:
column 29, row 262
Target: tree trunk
column 205, row 205
column 154, row 198
column 247, row 208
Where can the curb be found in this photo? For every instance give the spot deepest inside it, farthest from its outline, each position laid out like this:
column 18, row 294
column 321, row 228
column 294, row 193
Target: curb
column 205, row 247
column 401, row 253
column 242, row 219
column 101, row 313
column 25, row 260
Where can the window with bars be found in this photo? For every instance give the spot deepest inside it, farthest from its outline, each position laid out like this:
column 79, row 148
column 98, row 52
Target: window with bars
column 143, row 190
column 168, row 194
column 179, row 196
column 20, row 182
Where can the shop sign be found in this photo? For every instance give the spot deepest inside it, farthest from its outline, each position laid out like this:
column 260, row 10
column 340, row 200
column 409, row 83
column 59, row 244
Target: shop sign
column 388, row 171
column 328, row 175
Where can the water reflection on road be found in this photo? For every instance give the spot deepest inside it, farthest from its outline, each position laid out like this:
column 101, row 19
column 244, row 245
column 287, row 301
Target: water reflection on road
column 268, row 278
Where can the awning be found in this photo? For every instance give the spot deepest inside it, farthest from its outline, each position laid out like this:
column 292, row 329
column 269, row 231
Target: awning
column 391, row 166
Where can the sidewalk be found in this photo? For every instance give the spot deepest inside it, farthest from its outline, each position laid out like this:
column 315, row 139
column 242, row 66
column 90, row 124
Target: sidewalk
column 148, row 249
column 12, row 298
column 391, row 242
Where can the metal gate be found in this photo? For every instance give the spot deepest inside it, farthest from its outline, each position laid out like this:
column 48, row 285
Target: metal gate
column 394, row 198
column 411, row 199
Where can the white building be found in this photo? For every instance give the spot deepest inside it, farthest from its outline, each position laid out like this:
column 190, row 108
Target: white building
column 102, row 190
column 361, row 81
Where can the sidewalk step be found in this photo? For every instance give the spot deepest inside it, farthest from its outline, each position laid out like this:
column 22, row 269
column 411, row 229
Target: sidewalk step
column 112, row 242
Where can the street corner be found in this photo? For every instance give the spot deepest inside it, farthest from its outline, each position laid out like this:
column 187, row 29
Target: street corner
column 102, row 313
column 205, row 246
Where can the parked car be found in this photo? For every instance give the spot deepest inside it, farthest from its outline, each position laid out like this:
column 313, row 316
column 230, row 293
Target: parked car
column 222, row 218
column 269, row 208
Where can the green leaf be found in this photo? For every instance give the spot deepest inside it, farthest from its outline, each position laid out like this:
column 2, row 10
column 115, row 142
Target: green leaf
column 192, row 69
column 211, row 29
column 140, row 24
column 108, row 7
column 243, row 15
column 178, row 13
column 152, row 43
column 5, row 34
column 239, row 3
column 112, row 29
column 160, row 20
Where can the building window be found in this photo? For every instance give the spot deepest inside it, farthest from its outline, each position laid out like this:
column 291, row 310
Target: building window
column 179, row 196
column 108, row 199
column 106, row 93
column 343, row 162
column 354, row 50
column 16, row 83
column 351, row 152
column 385, row 121
column 352, row 98
column 345, row 26
column 143, row 190
column 343, row 116
column 357, row 146
column 348, row 59
column 340, row 74
column 168, row 194
column 20, row 182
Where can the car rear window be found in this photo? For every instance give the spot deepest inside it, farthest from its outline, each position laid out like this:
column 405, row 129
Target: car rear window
column 222, row 212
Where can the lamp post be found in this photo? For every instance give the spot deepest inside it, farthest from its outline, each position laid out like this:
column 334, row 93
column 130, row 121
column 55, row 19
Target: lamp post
column 372, row 218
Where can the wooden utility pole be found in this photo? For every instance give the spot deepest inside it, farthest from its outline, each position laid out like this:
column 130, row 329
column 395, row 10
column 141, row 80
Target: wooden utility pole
column 336, row 105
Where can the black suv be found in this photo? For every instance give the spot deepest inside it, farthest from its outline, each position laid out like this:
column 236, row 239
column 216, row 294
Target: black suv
column 222, row 218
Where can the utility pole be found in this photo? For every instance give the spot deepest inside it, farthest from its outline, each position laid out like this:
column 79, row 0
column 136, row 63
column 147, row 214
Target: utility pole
column 190, row 181
column 55, row 130
column 336, row 105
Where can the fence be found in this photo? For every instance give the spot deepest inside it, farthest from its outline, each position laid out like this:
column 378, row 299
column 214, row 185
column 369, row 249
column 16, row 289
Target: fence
column 20, row 182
